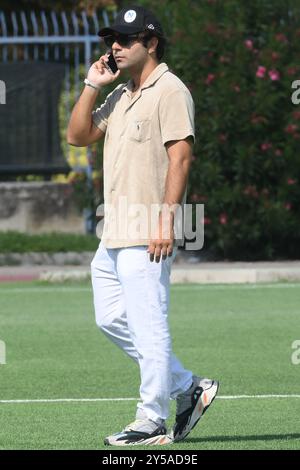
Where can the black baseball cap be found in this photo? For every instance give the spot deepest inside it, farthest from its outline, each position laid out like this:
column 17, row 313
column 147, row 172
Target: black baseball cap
column 131, row 20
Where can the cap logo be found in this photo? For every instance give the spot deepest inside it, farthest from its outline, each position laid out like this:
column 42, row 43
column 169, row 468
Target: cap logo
column 150, row 26
column 130, row 16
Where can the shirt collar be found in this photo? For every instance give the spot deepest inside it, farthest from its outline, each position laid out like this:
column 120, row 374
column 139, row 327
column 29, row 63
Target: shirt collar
column 151, row 79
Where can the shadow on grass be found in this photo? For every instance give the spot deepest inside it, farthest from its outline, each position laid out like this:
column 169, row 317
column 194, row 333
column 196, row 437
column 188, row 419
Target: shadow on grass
column 263, row 437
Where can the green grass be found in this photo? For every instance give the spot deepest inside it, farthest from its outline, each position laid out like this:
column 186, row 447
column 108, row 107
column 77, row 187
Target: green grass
column 240, row 334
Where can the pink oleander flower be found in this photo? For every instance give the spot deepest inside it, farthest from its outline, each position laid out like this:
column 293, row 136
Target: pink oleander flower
column 275, row 55
column 291, row 128
column 224, row 60
column 210, row 78
column 274, row 75
column 281, row 37
column 266, row 146
column 278, row 152
column 223, row 219
column 255, row 119
column 291, row 181
column 207, row 221
column 260, row 72
column 237, row 88
column 288, row 206
column 251, row 191
column 249, row 44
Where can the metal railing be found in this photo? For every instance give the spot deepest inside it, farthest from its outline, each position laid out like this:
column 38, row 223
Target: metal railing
column 68, row 38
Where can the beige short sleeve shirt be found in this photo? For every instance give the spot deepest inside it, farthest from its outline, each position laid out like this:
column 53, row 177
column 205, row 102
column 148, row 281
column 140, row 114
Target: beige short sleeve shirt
column 135, row 159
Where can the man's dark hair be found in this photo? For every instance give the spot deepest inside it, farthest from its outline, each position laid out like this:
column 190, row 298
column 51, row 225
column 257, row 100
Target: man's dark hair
column 160, row 49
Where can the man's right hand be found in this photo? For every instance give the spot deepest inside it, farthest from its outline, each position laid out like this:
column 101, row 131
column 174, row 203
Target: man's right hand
column 99, row 74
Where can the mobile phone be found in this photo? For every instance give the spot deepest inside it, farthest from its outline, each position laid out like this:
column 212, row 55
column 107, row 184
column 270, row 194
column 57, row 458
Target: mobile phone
column 111, row 64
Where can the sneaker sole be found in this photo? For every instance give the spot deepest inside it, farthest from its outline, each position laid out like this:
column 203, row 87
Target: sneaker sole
column 160, row 440
column 203, row 403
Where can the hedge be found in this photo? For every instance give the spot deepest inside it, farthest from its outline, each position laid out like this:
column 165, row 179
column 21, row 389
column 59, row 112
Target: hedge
column 239, row 60
column 16, row 242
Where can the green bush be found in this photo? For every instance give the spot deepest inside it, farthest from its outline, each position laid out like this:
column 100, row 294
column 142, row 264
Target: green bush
column 16, row 242
column 239, row 60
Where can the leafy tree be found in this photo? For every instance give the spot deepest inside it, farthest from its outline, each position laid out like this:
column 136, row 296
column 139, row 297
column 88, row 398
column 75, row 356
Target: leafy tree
column 239, row 60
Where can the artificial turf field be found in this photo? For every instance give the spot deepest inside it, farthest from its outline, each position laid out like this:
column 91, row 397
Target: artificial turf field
column 241, row 335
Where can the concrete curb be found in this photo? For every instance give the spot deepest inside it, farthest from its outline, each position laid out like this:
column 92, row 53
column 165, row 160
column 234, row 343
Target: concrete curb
column 207, row 273
column 63, row 276
column 198, row 273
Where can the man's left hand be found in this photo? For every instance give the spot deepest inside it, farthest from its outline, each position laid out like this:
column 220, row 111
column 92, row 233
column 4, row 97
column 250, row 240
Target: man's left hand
column 162, row 244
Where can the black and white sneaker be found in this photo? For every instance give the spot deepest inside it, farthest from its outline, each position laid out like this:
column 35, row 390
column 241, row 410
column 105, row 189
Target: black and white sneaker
column 191, row 406
column 140, row 432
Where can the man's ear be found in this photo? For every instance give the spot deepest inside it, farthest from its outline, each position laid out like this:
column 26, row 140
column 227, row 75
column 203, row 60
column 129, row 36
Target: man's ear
column 152, row 45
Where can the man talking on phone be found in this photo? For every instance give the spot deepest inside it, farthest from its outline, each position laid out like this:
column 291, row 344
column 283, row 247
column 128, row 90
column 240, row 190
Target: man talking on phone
column 148, row 125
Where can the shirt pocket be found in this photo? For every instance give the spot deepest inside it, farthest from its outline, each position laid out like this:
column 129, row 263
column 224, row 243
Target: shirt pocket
column 140, row 130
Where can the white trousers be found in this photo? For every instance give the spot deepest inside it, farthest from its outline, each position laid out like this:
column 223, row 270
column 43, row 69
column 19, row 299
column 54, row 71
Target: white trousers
column 131, row 299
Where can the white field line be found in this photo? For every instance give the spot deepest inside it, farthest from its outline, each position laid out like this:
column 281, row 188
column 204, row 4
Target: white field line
column 80, row 400
column 66, row 290
column 238, row 397
column 194, row 286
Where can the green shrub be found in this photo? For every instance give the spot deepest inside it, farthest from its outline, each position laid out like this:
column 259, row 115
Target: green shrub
column 239, row 60
column 16, row 242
